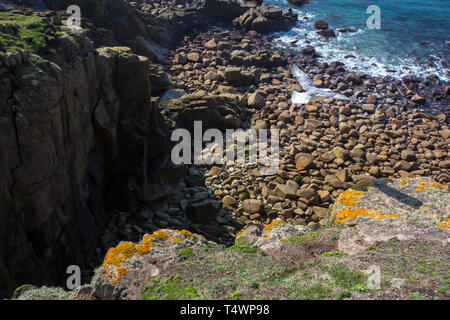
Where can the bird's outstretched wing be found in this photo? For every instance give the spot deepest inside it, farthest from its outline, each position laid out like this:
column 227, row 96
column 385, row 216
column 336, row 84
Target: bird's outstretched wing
column 300, row 98
column 302, row 78
column 328, row 93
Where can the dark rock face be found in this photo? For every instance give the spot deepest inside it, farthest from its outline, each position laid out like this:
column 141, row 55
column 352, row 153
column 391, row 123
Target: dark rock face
column 215, row 111
column 115, row 15
column 151, row 33
column 70, row 129
column 298, row 2
column 321, row 25
column 265, row 19
column 327, row 33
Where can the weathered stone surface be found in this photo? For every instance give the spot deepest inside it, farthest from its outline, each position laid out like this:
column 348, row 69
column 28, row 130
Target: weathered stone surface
column 229, row 201
column 286, row 191
column 304, row 162
column 266, row 19
column 63, row 158
column 215, row 111
column 253, row 206
column 384, row 209
column 256, row 100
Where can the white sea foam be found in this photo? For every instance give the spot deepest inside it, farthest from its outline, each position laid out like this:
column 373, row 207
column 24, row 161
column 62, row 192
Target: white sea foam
column 337, row 50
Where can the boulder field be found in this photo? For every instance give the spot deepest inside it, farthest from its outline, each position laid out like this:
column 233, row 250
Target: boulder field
column 87, row 178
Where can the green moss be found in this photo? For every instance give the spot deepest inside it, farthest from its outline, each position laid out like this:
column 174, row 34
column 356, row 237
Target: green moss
column 346, row 277
column 360, row 287
column 243, row 249
column 336, row 254
column 236, row 295
column 422, row 269
column 416, row 296
column 19, row 32
column 167, row 289
column 343, row 294
column 301, row 240
column 442, row 289
column 316, row 291
column 241, row 241
column 187, row 253
column 276, row 278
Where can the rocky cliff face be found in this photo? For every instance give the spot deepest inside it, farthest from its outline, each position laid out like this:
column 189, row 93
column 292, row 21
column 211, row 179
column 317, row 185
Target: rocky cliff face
column 77, row 128
column 387, row 239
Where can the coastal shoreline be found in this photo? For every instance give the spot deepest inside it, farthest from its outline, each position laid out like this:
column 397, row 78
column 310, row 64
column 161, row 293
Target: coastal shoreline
column 395, row 129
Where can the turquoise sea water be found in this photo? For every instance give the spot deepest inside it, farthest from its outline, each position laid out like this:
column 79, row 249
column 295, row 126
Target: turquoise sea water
column 395, row 49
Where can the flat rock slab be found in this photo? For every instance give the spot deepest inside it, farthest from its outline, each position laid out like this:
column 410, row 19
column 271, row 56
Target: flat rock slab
column 380, row 210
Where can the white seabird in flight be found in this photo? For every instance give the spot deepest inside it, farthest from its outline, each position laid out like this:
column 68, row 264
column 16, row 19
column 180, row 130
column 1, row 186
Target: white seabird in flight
column 311, row 90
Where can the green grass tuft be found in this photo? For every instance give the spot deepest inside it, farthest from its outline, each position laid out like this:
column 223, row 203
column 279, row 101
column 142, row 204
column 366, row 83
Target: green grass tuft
column 167, row 289
column 19, row 32
column 187, row 253
column 345, row 277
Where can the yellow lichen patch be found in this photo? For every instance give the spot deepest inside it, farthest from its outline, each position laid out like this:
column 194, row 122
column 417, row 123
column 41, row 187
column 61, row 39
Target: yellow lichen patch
column 445, row 225
column 349, row 197
column 343, row 215
column 120, row 272
column 423, row 184
column 241, row 233
column 424, row 207
column 437, row 185
column 126, row 250
column 419, row 189
column 145, row 246
column 159, row 235
column 267, row 238
column 273, row 224
column 184, row 233
column 174, row 239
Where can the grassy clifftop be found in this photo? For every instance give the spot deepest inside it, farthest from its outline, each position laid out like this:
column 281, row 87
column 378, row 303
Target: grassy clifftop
column 20, row 32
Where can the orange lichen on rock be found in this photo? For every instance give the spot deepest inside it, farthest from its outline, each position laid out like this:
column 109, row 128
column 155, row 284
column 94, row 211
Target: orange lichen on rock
column 185, row 233
column 437, row 185
column 423, row 184
column 273, row 224
column 403, row 182
column 126, row 250
column 241, row 233
column 419, row 189
column 174, row 239
column 349, row 197
column 343, row 215
column 445, row 225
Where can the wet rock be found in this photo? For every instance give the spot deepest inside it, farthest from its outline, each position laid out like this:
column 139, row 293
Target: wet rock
column 328, row 33
column 321, row 25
